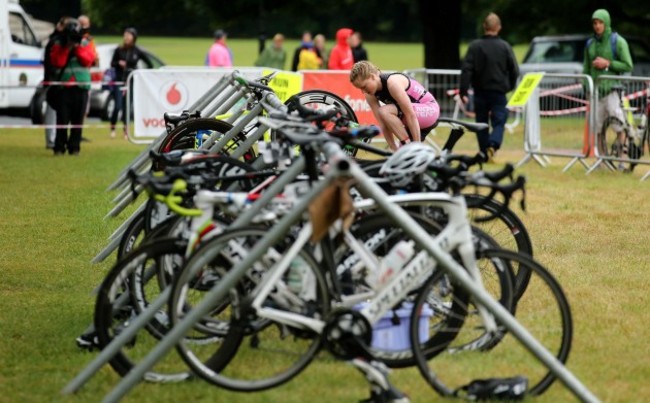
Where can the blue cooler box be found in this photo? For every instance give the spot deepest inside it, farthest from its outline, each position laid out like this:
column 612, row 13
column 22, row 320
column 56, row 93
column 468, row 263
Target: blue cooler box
column 388, row 336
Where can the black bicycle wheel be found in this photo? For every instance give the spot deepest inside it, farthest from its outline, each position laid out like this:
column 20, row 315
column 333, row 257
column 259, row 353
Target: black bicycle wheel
column 191, row 133
column 120, row 299
column 132, row 236
column 543, row 310
column 255, row 353
column 609, row 145
column 506, row 228
column 319, row 99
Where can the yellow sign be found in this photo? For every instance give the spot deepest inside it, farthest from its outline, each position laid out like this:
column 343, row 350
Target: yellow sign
column 525, row 88
column 285, row 83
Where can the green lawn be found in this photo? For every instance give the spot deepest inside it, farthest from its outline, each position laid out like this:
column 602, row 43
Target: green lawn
column 192, row 51
column 52, row 226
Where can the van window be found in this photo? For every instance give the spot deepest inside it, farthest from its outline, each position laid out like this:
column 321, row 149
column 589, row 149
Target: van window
column 21, row 32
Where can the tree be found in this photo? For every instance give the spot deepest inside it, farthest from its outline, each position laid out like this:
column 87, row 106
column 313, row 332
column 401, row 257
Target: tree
column 440, row 22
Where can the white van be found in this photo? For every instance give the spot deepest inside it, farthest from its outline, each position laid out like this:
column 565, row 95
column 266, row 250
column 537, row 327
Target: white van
column 20, row 56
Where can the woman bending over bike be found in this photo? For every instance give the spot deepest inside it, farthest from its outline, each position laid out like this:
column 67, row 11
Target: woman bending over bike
column 404, row 109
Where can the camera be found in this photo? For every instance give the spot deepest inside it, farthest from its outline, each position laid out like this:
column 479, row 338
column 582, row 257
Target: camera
column 72, row 32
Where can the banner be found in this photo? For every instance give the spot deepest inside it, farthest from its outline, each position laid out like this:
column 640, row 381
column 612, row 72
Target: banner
column 338, row 82
column 285, row 83
column 165, row 90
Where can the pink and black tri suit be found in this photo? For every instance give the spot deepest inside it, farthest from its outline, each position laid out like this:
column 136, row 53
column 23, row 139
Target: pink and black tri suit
column 423, row 102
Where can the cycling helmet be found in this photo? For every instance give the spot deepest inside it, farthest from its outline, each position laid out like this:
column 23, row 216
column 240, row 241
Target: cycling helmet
column 410, row 160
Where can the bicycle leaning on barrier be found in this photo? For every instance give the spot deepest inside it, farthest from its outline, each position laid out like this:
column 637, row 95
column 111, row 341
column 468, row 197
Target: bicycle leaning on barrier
column 624, row 139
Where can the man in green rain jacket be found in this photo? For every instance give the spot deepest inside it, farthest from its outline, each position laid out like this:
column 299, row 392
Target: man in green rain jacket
column 607, row 53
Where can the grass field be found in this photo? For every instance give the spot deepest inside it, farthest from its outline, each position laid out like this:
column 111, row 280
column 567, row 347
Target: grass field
column 192, row 51
column 590, row 231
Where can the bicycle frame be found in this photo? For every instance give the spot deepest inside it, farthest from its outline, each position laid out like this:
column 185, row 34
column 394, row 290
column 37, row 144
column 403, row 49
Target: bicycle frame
column 343, row 167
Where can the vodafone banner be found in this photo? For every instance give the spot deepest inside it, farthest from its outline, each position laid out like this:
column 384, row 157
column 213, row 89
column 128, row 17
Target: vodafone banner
column 338, row 82
column 165, row 90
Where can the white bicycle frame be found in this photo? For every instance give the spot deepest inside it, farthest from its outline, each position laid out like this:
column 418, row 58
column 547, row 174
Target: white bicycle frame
column 456, row 235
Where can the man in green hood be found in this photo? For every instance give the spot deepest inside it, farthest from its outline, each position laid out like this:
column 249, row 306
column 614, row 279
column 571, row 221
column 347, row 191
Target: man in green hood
column 607, row 53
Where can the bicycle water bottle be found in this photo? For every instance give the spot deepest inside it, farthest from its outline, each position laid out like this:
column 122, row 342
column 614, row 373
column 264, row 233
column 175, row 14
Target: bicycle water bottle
column 390, row 264
column 295, row 276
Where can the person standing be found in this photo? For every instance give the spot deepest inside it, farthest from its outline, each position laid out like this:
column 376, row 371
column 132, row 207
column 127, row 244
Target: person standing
column 219, row 54
column 319, row 46
column 305, row 43
column 125, row 59
column 72, row 58
column 273, row 56
column 491, row 69
column 359, row 53
column 49, row 74
column 607, row 53
column 341, row 54
column 407, row 111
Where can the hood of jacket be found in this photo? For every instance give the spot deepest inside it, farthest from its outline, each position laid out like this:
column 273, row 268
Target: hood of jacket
column 342, row 36
column 603, row 15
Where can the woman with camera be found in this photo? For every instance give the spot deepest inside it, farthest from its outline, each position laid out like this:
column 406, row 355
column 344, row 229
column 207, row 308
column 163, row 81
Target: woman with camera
column 71, row 55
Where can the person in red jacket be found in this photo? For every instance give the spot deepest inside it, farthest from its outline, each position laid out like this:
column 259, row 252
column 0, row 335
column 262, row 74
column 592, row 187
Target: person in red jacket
column 71, row 55
column 341, row 54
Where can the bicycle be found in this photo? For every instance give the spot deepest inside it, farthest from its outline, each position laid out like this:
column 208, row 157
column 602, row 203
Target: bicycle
column 636, row 136
column 256, row 306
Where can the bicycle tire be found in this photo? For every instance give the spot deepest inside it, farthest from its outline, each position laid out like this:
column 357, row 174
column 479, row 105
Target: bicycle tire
column 132, row 236
column 247, row 339
column 318, row 98
column 506, row 228
column 184, row 137
column 607, row 142
column 114, row 310
column 543, row 310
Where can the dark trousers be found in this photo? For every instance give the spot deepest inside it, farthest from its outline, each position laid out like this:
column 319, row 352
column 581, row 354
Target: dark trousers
column 71, row 109
column 490, row 107
column 120, row 104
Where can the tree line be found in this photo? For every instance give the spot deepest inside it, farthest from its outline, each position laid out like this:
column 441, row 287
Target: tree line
column 439, row 24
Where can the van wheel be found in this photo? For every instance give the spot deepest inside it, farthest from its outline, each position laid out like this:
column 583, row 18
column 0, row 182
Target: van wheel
column 107, row 109
column 38, row 107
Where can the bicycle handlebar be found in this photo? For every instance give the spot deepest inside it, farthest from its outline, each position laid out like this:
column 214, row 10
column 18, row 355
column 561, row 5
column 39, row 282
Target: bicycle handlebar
column 173, row 201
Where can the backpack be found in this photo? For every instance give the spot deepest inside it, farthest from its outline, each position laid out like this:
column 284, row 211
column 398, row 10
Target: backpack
column 612, row 41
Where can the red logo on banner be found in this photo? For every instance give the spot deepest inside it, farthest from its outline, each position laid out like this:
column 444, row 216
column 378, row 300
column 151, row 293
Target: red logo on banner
column 339, row 83
column 173, row 96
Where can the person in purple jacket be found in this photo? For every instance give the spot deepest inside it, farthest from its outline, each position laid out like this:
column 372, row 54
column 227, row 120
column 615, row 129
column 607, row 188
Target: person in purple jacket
column 404, row 109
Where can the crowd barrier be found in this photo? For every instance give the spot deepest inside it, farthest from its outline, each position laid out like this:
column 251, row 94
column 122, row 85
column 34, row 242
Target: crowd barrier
column 559, row 105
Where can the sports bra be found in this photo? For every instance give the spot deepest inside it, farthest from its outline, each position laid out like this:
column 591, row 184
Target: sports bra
column 415, row 91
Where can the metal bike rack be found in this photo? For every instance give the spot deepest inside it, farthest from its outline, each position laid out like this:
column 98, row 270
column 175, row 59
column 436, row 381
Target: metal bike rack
column 343, row 167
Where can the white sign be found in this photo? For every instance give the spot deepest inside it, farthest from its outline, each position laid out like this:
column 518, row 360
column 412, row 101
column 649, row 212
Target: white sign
column 172, row 90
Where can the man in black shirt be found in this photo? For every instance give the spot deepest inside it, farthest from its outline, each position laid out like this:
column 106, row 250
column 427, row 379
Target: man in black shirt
column 491, row 69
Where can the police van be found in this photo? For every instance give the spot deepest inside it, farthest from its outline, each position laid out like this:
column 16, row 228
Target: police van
column 21, row 69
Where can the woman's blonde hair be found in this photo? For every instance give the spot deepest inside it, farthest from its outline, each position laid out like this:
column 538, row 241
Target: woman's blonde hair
column 362, row 70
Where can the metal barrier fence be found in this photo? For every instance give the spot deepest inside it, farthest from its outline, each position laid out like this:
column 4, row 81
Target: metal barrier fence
column 560, row 105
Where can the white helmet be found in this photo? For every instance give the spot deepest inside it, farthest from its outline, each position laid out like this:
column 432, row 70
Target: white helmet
column 408, row 161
